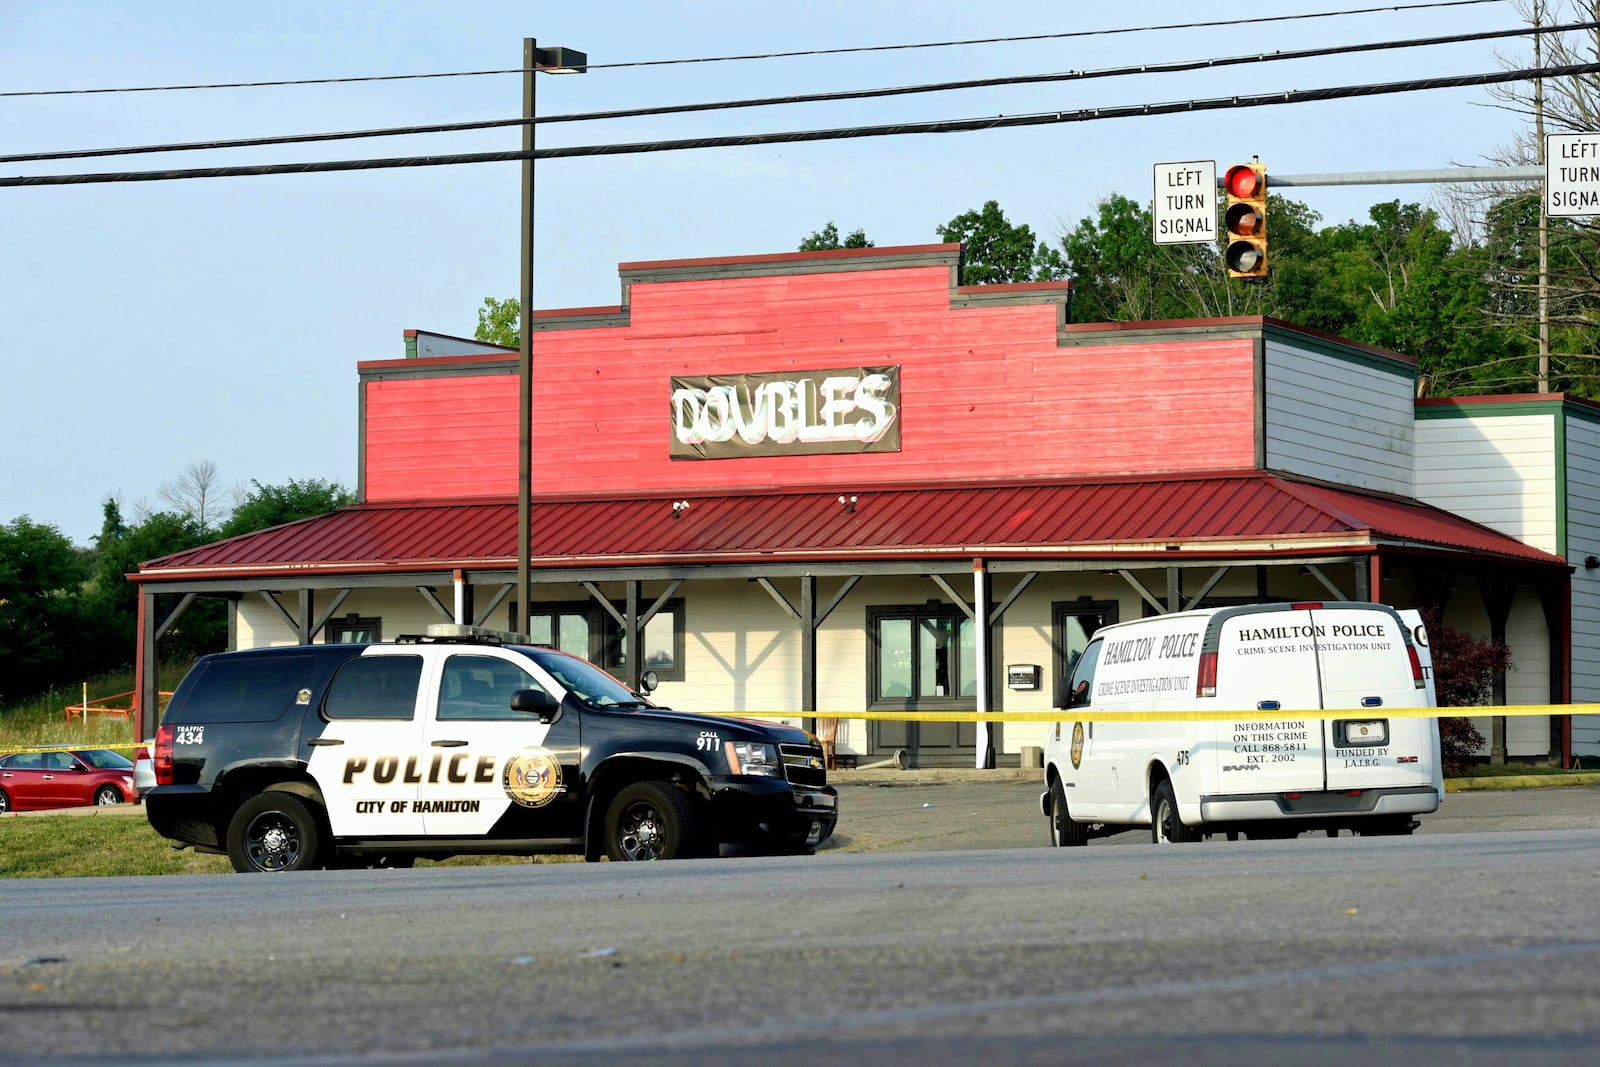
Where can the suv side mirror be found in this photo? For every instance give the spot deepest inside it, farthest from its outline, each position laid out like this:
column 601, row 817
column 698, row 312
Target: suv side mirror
column 648, row 682
column 536, row 702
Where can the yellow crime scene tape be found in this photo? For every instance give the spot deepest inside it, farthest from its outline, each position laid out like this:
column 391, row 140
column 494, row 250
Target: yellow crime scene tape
column 1251, row 715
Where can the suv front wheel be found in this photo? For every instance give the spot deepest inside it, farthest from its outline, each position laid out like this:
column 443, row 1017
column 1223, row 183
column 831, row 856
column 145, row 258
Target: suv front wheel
column 273, row 831
column 650, row 821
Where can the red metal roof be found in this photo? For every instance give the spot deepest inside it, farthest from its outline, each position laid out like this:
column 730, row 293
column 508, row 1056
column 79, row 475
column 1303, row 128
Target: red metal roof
column 1220, row 514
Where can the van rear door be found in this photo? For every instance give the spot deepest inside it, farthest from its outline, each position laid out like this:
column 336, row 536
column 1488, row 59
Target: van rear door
column 1266, row 662
column 1286, row 662
column 1368, row 669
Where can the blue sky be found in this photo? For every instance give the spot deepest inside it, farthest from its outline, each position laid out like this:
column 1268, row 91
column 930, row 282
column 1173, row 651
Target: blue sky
column 149, row 326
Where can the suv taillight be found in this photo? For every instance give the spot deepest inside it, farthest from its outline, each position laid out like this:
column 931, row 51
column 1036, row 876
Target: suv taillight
column 163, row 760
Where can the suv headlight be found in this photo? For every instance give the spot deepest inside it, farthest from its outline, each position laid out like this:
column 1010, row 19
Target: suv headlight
column 752, row 757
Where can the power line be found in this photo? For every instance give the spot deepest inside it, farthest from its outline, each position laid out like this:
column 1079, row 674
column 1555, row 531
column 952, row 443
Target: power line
column 1287, row 96
column 1171, row 67
column 763, row 55
column 1070, row 34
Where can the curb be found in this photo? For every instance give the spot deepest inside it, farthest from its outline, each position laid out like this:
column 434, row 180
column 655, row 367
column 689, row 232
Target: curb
column 1519, row 781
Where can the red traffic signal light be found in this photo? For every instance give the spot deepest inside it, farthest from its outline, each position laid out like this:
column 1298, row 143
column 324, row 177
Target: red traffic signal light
column 1245, row 220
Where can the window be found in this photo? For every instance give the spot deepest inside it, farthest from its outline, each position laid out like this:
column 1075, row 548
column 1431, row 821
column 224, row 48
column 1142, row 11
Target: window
column 480, row 687
column 375, row 687
column 586, row 629
column 921, row 657
column 353, row 629
column 1073, row 622
column 251, row 688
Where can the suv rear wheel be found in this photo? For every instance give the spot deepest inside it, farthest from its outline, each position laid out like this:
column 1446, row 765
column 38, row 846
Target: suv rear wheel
column 1165, row 826
column 273, row 831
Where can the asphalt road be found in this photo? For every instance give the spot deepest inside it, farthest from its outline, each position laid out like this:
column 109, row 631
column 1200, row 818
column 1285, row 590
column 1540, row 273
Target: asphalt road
column 1455, row 946
column 965, row 811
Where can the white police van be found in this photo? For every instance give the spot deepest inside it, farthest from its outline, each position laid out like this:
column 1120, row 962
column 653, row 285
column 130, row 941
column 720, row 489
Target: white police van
column 1214, row 721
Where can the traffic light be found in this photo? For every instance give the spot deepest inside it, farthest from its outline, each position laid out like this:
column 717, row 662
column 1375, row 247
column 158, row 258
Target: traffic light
column 1246, row 220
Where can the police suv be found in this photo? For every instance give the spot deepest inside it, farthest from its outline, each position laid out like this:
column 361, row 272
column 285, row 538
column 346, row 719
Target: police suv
column 464, row 740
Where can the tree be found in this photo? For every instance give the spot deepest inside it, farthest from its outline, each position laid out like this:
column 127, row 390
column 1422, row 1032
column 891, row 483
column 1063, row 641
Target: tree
column 114, row 600
column 1511, row 275
column 110, row 603
column 500, row 322
column 1572, row 289
column 996, row 252
column 196, row 493
column 274, row 505
column 41, row 578
column 1119, row 274
column 827, row 239
column 1404, row 285
column 112, row 528
column 1464, row 670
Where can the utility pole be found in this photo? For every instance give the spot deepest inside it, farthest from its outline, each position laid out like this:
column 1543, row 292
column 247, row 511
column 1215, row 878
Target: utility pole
column 1544, row 214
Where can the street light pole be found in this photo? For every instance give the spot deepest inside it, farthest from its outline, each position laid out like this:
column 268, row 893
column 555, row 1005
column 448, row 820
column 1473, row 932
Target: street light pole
column 554, row 61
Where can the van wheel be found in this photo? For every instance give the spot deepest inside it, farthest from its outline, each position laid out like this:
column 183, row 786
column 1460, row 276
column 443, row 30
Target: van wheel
column 271, row 832
column 1063, row 831
column 1165, row 826
column 650, row 821
column 1400, row 827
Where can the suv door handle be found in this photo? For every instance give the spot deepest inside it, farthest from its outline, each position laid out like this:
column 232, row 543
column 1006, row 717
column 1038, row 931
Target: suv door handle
column 449, row 744
column 319, row 741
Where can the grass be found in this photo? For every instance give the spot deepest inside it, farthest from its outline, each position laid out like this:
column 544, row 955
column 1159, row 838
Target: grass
column 42, row 721
column 1502, row 770
column 101, row 843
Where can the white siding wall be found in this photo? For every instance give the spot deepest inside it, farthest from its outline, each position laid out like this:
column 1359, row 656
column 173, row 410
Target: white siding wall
column 741, row 651
column 1338, row 419
column 1529, row 683
column 402, row 611
column 1583, row 540
column 1497, row 470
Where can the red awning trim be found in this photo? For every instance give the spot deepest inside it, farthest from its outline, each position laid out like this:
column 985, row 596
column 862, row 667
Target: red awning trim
column 1225, row 515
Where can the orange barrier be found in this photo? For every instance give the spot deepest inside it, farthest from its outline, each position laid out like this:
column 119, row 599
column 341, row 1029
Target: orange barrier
column 115, row 706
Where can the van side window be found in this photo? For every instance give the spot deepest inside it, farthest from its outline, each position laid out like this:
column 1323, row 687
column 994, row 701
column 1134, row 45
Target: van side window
column 1083, row 675
column 1073, row 624
column 375, row 687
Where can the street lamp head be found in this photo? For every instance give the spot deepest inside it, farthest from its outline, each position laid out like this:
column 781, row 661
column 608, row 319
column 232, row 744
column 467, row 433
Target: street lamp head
column 560, row 60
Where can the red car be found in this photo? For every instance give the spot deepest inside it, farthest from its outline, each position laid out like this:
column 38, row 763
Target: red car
column 32, row 781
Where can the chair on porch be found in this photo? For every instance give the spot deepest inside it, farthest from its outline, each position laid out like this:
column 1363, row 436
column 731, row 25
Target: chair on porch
column 828, row 736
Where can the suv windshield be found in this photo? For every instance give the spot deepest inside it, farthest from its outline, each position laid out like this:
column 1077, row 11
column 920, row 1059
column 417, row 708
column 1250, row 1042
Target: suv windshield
column 584, row 680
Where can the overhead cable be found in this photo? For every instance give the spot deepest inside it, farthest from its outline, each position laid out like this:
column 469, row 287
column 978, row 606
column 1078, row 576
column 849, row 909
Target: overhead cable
column 761, row 55
column 1171, row 67
column 1286, row 96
